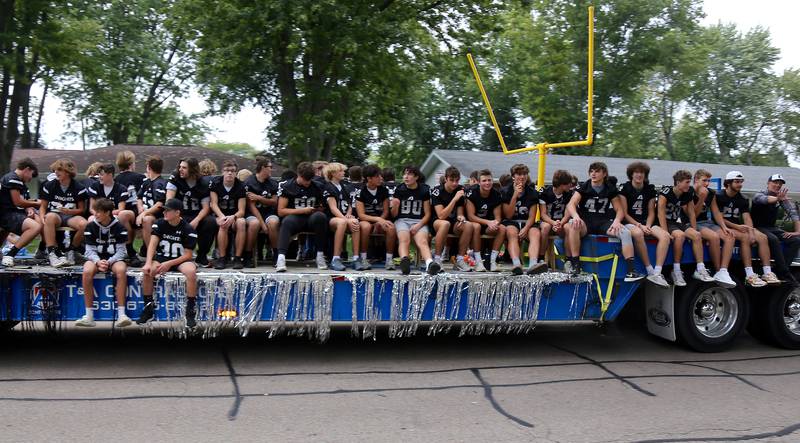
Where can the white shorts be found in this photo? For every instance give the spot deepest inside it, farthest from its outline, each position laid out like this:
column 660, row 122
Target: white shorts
column 405, row 224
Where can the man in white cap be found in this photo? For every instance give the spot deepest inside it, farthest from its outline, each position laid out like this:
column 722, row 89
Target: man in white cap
column 765, row 213
column 736, row 213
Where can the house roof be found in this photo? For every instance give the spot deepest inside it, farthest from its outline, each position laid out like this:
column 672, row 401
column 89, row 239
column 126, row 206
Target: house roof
column 661, row 171
column 171, row 154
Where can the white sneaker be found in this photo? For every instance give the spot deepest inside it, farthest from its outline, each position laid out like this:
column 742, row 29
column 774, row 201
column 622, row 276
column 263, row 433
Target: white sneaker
column 70, row 258
column 123, row 321
column 85, row 322
column 8, row 261
column 389, row 265
column 754, row 281
column 493, row 266
column 677, row 278
column 56, row 261
column 479, row 267
column 280, row 265
column 462, row 266
column 702, row 275
column 321, row 264
column 658, row 279
column 724, row 279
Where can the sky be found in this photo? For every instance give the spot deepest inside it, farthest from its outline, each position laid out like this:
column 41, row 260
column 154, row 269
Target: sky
column 249, row 125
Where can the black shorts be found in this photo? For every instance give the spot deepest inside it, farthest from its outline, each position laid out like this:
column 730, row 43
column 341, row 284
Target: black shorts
column 598, row 227
column 12, row 222
column 519, row 224
column 676, row 226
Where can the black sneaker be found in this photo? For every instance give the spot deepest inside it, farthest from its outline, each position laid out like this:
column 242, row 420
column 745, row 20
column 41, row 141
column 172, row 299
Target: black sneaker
column 202, row 261
column 517, row 270
column 538, row 268
column 405, row 265
column 135, row 262
column 633, row 276
column 434, row 268
column 238, row 263
column 575, row 270
column 220, row 263
column 247, row 261
column 190, row 317
column 147, row 313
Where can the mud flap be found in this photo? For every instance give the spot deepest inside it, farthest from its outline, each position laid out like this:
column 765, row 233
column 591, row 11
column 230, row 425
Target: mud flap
column 660, row 311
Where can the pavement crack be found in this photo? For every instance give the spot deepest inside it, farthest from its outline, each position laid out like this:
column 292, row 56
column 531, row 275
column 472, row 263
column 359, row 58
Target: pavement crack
column 788, row 430
column 237, row 395
column 605, row 368
column 487, row 392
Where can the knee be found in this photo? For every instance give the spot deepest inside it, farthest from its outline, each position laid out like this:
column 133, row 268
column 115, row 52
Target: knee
column 89, row 267
column 443, row 225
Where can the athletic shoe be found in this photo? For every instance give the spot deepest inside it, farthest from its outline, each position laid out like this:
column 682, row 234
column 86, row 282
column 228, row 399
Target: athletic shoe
column 321, row 264
column 536, row 268
column 702, row 275
column 56, row 260
column 123, row 321
column 770, row 278
column 658, row 279
column 493, row 266
column 248, row 261
column 479, row 267
column 202, row 261
column 238, row 263
column 190, row 317
column 70, row 258
column 516, row 270
column 221, row 263
column 434, row 268
column 41, row 254
column 389, row 265
column 462, row 266
column 280, row 265
column 135, row 262
column 754, row 281
column 633, row 276
column 147, row 313
column 357, row 265
column 405, row 265
column 724, row 279
column 677, row 278
column 365, row 266
column 336, row 265
column 85, row 322
column 8, row 261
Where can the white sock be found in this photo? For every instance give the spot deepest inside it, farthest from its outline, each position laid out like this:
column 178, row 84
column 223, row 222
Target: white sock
column 701, row 266
column 470, row 253
column 677, row 268
column 515, row 261
column 321, row 255
column 281, row 257
column 389, row 257
column 477, row 256
column 767, row 269
column 437, row 258
column 90, row 313
column 723, row 270
column 363, row 255
column 650, row 269
column 428, row 262
column 748, row 271
column 657, row 270
column 335, row 257
column 494, row 255
column 120, row 311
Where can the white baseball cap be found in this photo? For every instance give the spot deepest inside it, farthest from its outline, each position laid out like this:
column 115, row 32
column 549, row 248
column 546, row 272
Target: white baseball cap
column 734, row 175
column 776, row 178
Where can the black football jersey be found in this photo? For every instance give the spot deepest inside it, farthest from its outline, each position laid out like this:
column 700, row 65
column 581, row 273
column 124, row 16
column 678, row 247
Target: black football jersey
column 173, row 240
column 702, row 215
column 556, row 205
column 412, row 201
column 228, row 199
column 638, row 200
column 191, row 196
column 440, row 197
column 152, row 192
column 105, row 238
column 132, row 181
column 596, row 205
column 266, row 189
column 528, row 199
column 59, row 197
column 8, row 183
column 733, row 208
column 484, row 206
column 675, row 204
column 300, row 196
column 340, row 194
column 373, row 203
column 116, row 194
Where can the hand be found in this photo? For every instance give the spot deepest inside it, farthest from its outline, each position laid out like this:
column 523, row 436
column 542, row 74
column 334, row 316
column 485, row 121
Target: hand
column 791, row 234
column 147, row 268
column 252, row 197
column 415, row 228
column 30, row 212
column 355, row 226
column 386, row 225
column 557, row 225
column 518, row 189
column 161, row 269
column 492, row 226
column 751, row 237
column 615, row 228
column 702, row 192
column 308, row 210
column 460, row 219
column 577, row 223
column 646, row 229
column 139, row 219
column 264, row 228
column 222, row 221
column 459, row 194
column 725, row 231
column 102, row 265
column 523, row 233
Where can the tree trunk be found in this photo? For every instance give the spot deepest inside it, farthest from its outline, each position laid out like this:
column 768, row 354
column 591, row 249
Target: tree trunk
column 26, row 119
column 40, row 114
column 150, row 103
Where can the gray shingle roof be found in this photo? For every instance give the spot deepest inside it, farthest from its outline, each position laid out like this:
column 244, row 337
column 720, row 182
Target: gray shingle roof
column 661, row 171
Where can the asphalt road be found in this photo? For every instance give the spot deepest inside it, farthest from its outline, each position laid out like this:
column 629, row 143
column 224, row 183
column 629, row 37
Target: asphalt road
column 568, row 384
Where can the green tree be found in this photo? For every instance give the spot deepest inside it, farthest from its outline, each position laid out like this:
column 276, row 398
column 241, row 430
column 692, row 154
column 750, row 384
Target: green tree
column 243, row 149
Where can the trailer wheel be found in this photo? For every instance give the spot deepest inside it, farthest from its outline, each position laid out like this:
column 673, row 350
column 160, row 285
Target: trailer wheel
column 708, row 317
column 781, row 318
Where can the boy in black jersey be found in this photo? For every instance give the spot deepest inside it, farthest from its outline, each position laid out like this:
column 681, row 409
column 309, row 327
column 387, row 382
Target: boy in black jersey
column 105, row 252
column 62, row 203
column 484, row 207
column 639, row 199
column 713, row 230
column 339, row 208
column 262, row 201
column 187, row 185
column 411, row 208
column 300, row 208
column 447, row 200
column 170, row 250
column 676, row 216
column 107, row 188
column 764, row 212
column 151, row 198
column 735, row 211
column 228, row 202
column 17, row 213
column 553, row 202
column 372, row 209
column 595, row 209
column 520, row 202
column 129, row 178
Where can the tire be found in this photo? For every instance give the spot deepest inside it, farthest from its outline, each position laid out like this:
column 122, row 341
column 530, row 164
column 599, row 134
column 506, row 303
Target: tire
column 781, row 318
column 708, row 317
column 759, row 307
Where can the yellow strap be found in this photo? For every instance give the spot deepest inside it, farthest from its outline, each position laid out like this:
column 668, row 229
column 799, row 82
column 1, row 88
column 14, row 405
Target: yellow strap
column 604, row 303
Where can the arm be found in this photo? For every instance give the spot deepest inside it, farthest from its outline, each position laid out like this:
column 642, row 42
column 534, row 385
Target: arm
column 283, row 211
column 692, row 216
column 572, row 208
column 651, row 212
column 204, row 210
column 662, row 214
column 508, row 208
column 215, row 206
column 471, row 214
column 717, row 215
column 241, row 205
column 18, row 201
column 119, row 253
column 334, row 208
column 394, row 206
column 91, row 253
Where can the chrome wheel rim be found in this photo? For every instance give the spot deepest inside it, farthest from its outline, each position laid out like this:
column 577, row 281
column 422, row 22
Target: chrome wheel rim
column 715, row 311
column 791, row 312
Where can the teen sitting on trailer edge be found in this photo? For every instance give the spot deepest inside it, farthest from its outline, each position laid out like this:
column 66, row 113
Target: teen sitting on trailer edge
column 595, row 209
column 17, row 214
column 553, row 202
column 151, row 198
column 62, row 203
column 339, row 208
column 228, row 204
column 720, row 239
column 170, row 250
column 764, row 212
column 262, row 201
column 447, row 200
column 484, row 207
column 520, row 202
column 107, row 188
column 105, row 239
column 411, row 207
column 372, row 208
